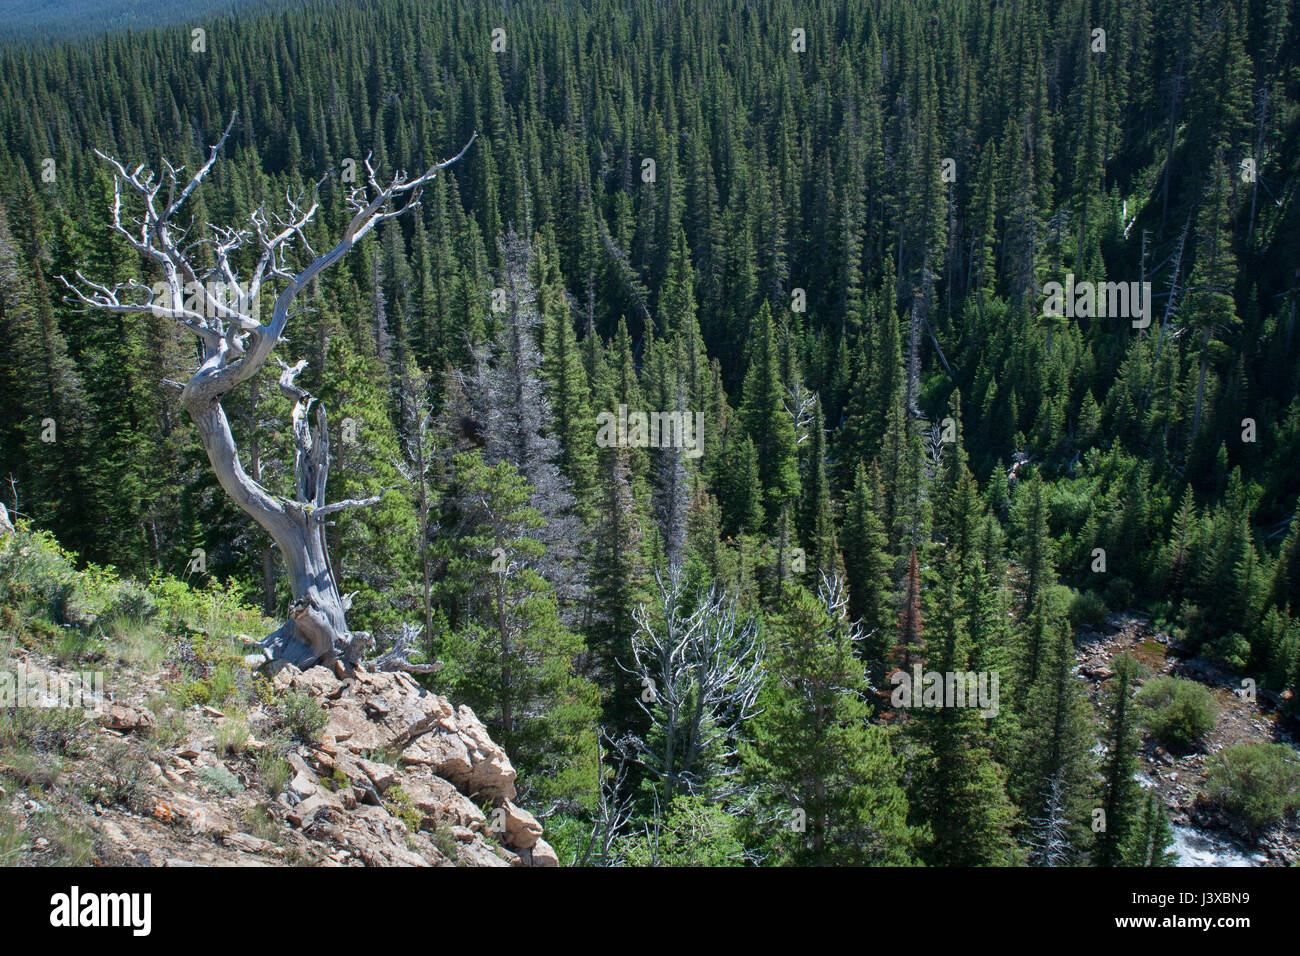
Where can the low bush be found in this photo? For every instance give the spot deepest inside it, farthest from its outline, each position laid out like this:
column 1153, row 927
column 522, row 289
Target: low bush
column 1259, row 782
column 1177, row 712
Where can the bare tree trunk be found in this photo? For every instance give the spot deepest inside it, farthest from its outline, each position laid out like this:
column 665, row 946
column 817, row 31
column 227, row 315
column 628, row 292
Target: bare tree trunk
column 235, row 346
column 317, row 623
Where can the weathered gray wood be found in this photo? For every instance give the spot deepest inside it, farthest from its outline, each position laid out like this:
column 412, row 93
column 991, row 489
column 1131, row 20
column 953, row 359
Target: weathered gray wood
column 235, row 346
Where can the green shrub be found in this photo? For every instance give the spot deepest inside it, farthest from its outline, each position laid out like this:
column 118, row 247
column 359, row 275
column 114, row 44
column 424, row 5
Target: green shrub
column 570, row 838
column 220, row 779
column 1119, row 593
column 273, row 772
column 695, row 833
column 1259, row 782
column 124, row 773
column 444, row 841
column 73, row 646
column 71, row 843
column 37, row 575
column 216, row 610
column 132, row 603
column 262, row 823
column 231, row 736
column 222, row 684
column 1231, row 650
column 336, row 781
column 1177, row 712
column 169, row 721
column 136, row 641
column 303, row 716
column 45, row 730
column 193, row 692
column 398, row 803
column 1088, row 609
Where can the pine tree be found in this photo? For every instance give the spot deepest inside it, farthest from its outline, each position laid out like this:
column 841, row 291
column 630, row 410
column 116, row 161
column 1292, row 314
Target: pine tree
column 382, row 541
column 1151, row 837
column 567, row 388
column 829, row 777
column 1210, row 307
column 1120, row 794
column 738, row 485
column 1056, row 745
column 868, row 565
column 618, row 583
column 817, row 523
column 1034, row 542
column 767, row 421
column 507, row 655
column 957, row 787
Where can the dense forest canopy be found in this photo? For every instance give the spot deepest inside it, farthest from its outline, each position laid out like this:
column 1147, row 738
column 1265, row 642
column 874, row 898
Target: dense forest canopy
column 34, row 21
column 827, row 233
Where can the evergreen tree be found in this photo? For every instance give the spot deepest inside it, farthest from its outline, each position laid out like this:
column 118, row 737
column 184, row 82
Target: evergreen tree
column 1120, row 794
column 507, row 654
column 868, row 565
column 830, row 779
column 766, row 419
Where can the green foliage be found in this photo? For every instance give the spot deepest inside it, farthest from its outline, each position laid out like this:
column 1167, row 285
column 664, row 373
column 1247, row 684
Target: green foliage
column 693, row 832
column 273, row 772
column 122, row 778
column 54, row 731
column 816, row 756
column 1260, row 782
column 1120, row 793
column 1232, row 650
column 220, row 780
column 508, row 655
column 1151, row 837
column 232, row 736
column 1177, row 712
column 304, row 717
column 398, row 802
column 1088, row 609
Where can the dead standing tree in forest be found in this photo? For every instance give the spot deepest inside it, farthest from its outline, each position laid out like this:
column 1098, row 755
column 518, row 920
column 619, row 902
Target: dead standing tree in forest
column 234, row 346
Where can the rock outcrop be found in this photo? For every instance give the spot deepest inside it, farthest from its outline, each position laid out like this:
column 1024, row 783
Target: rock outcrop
column 390, row 745
column 397, row 776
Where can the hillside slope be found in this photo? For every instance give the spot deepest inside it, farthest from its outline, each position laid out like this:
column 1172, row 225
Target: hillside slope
column 137, row 732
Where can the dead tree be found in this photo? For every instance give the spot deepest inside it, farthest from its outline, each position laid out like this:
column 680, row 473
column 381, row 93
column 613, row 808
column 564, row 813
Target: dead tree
column 234, row 346
column 1049, row 837
column 613, row 810
column 701, row 669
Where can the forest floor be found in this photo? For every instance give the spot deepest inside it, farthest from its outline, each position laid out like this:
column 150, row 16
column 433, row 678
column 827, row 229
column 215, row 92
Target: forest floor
column 1205, row 834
